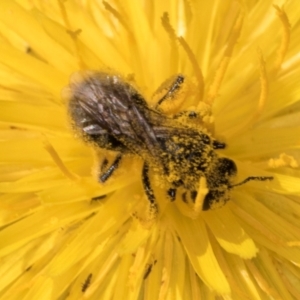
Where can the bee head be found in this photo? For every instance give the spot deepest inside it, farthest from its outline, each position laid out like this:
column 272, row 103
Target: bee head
column 219, row 183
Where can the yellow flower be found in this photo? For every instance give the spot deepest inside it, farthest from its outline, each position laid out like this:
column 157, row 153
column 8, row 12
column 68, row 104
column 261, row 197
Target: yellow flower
column 241, row 64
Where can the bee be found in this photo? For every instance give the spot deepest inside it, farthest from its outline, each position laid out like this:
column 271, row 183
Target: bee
column 111, row 114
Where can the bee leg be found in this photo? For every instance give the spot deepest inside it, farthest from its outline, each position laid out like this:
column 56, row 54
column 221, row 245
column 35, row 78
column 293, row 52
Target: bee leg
column 172, row 194
column 184, row 199
column 148, row 189
column 104, row 164
column 175, row 86
column 189, row 114
column 193, row 195
column 108, row 173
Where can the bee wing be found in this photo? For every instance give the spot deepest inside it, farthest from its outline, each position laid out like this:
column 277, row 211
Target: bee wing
column 111, row 106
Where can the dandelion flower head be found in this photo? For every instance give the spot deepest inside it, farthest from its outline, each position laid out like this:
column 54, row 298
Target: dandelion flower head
column 66, row 236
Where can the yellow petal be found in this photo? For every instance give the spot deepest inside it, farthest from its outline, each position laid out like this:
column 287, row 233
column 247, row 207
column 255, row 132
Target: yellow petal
column 229, row 233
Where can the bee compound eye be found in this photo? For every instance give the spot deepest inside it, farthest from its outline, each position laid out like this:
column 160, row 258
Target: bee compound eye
column 227, row 167
column 211, row 199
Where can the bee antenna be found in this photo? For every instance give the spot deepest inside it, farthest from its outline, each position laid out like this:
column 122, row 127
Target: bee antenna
column 260, row 178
